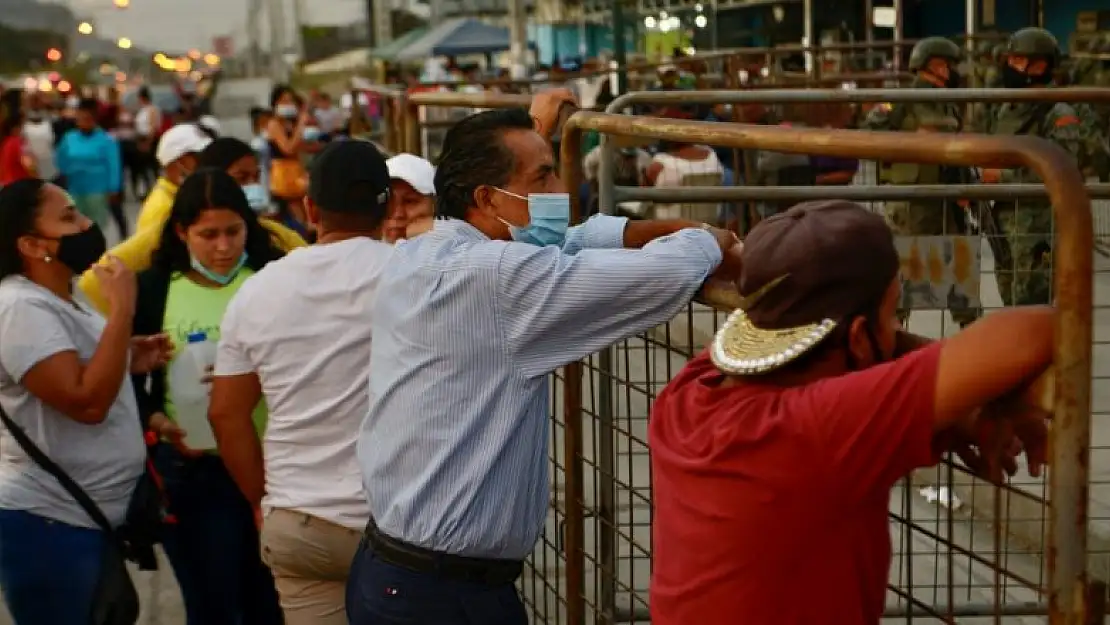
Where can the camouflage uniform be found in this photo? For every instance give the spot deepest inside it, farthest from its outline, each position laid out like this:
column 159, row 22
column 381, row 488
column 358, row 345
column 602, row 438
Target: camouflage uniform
column 1087, row 72
column 981, row 112
column 1027, row 225
column 933, row 217
column 1100, row 113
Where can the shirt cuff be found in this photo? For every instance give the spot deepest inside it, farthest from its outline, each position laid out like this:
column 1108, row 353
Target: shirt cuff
column 600, row 232
column 706, row 242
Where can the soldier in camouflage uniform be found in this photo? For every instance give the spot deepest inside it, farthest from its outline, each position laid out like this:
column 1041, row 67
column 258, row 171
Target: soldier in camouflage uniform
column 934, row 61
column 1099, row 76
column 1025, row 278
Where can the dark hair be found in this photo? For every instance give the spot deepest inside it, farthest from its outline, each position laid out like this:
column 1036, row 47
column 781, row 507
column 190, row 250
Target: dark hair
column 206, row 189
column 88, row 105
column 278, row 91
column 19, row 205
column 223, row 152
column 257, row 112
column 144, row 93
column 473, row 155
column 838, row 339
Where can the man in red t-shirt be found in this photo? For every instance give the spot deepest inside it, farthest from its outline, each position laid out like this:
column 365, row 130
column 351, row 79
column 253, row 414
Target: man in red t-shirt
column 774, row 453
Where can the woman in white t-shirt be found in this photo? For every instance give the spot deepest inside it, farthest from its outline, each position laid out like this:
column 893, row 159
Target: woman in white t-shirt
column 685, row 164
column 38, row 132
column 64, row 382
column 148, row 127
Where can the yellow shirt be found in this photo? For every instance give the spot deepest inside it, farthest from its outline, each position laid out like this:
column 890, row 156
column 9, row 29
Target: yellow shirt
column 137, row 250
column 156, row 208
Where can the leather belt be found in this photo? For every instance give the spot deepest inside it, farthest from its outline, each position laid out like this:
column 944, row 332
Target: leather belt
column 489, row 571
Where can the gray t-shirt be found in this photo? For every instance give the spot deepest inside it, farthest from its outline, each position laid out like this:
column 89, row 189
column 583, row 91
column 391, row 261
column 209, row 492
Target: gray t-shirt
column 105, row 459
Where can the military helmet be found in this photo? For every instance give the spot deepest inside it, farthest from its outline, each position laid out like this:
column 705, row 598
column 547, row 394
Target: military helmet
column 931, row 48
column 1033, row 41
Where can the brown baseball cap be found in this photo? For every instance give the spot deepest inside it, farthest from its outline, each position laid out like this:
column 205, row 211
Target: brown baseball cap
column 804, row 271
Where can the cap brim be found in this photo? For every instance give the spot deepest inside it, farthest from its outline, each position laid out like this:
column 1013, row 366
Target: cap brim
column 740, row 348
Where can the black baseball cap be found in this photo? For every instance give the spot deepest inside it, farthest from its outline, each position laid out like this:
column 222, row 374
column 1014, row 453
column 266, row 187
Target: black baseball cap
column 349, row 177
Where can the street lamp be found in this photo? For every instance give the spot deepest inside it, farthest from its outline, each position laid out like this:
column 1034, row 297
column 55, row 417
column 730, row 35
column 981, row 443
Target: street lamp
column 53, row 55
column 122, row 4
column 124, row 43
column 85, row 28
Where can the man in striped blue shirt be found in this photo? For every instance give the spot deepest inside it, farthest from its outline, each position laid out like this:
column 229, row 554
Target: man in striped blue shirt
column 473, row 317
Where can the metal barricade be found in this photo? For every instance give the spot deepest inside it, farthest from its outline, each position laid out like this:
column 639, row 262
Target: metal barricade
column 853, row 96
column 423, row 132
column 602, row 521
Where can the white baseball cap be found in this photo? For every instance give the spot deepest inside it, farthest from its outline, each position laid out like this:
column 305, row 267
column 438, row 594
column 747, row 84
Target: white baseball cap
column 414, row 170
column 210, row 122
column 180, row 140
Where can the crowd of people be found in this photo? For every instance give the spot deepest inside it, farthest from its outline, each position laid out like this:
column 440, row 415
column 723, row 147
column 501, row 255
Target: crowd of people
column 318, row 376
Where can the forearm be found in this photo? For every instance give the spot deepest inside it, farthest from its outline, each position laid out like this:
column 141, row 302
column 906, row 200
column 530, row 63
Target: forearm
column 241, row 452
column 639, row 233
column 103, row 376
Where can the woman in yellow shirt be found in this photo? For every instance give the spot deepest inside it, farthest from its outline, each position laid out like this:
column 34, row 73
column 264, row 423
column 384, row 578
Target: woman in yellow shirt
column 136, row 251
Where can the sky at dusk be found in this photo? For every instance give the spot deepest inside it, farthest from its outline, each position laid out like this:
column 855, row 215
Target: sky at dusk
column 184, row 24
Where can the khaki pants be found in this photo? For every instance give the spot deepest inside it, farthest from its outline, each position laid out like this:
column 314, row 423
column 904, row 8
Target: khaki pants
column 310, row 559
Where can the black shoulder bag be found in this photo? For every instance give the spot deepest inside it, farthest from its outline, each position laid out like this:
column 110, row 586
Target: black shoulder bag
column 115, row 602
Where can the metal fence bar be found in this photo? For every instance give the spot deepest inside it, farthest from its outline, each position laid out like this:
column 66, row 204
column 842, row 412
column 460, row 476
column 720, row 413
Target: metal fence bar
column 823, row 96
column 857, row 193
column 1066, row 552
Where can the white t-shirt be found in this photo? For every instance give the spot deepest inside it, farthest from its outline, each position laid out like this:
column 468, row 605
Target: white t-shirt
column 40, row 141
column 303, row 325
column 146, row 119
column 105, row 459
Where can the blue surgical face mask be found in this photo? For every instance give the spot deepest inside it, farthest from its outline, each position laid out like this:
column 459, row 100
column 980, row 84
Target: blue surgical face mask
column 257, row 197
column 222, row 280
column 548, row 218
column 287, row 111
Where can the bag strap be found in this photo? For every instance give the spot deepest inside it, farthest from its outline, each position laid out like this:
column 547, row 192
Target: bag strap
column 59, row 474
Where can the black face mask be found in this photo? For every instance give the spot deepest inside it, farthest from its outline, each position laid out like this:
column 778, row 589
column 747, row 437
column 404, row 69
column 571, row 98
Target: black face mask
column 1013, row 79
column 954, row 79
column 81, row 250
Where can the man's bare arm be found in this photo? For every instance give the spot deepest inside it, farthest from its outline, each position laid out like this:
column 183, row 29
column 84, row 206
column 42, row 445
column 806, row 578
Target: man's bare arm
column 233, row 401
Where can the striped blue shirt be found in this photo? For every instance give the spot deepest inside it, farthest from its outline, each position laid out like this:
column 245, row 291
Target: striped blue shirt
column 454, row 448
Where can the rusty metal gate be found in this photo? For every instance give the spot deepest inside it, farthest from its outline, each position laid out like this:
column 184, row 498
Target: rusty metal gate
column 825, row 97
column 594, row 559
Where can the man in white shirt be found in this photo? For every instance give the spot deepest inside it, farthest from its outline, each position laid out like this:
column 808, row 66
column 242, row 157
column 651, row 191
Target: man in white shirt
column 298, row 333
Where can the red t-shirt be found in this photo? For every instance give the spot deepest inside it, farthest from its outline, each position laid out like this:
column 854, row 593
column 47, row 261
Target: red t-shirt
column 771, row 503
column 11, row 160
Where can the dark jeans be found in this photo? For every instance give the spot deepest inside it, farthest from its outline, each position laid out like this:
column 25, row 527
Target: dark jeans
column 383, row 594
column 214, row 545
column 48, row 570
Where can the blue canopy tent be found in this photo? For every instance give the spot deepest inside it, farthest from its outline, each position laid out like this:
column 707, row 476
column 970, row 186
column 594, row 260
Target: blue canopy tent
column 474, row 37
column 457, row 37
